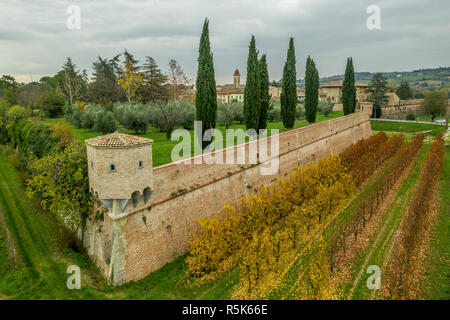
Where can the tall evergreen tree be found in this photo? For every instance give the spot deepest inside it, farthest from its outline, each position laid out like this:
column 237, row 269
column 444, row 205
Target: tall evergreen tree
column 311, row 90
column 129, row 58
column 103, row 69
column 104, row 88
column 154, row 88
column 349, row 89
column 288, row 95
column 252, row 93
column 377, row 94
column 206, row 96
column 265, row 96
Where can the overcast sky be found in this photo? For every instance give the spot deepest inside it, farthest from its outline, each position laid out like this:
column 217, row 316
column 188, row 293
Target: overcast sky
column 34, row 37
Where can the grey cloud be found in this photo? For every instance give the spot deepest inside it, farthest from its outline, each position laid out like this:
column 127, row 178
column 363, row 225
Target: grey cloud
column 414, row 33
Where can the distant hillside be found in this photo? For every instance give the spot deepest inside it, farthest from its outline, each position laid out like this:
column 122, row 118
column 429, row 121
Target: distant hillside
column 438, row 77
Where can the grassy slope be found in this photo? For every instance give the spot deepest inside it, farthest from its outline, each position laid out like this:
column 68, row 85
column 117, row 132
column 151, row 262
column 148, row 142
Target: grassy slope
column 437, row 283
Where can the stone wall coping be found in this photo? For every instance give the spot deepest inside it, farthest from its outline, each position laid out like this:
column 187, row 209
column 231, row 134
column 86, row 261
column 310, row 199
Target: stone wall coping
column 323, row 123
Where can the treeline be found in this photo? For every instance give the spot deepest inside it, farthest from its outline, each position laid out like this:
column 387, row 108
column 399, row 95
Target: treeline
column 403, row 275
column 119, row 79
column 53, row 162
column 165, row 116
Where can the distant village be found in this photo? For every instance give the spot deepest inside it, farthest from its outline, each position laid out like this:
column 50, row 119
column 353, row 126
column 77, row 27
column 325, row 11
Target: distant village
column 330, row 92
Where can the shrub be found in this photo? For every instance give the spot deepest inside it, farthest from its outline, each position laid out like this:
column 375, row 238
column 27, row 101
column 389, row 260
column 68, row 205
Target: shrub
column 325, row 107
column 229, row 113
column 105, row 122
column 166, row 116
column 264, row 231
column 300, row 111
column 274, row 113
column 87, row 119
column 188, row 115
column 410, row 116
column 132, row 116
column 52, row 103
column 60, row 180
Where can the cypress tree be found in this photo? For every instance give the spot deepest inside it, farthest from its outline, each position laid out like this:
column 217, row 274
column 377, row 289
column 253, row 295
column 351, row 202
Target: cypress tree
column 311, row 90
column 289, row 88
column 348, row 89
column 316, row 82
column 206, row 96
column 252, row 93
column 265, row 97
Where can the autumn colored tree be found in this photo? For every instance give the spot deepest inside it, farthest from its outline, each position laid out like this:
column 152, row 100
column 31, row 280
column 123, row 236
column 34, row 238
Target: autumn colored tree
column 130, row 81
column 60, row 180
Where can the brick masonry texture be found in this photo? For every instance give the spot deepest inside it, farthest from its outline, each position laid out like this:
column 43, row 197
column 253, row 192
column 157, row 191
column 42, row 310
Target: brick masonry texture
column 157, row 232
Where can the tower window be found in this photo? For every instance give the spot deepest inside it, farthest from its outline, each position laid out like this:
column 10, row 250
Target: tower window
column 141, row 164
column 92, row 164
column 112, row 167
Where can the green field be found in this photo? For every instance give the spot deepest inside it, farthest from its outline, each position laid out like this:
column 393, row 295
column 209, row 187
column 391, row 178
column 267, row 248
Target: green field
column 404, row 126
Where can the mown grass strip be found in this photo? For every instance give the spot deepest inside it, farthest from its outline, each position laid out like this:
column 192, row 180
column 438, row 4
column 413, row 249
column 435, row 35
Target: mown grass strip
column 437, row 282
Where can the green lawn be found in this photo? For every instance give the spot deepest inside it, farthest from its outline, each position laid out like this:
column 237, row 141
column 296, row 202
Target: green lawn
column 403, row 126
column 162, row 147
column 428, row 118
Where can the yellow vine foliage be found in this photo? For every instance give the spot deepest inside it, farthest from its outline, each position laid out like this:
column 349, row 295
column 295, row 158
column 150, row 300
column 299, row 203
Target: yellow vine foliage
column 262, row 234
column 315, row 283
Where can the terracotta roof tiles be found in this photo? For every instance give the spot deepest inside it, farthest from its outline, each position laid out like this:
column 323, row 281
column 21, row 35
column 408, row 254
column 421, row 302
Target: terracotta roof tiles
column 118, row 140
